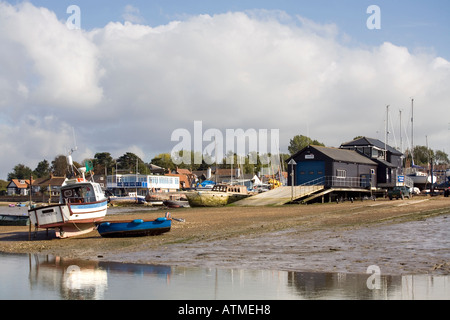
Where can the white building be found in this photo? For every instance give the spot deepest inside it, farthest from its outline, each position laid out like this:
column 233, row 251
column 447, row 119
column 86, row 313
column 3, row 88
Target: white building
column 122, row 184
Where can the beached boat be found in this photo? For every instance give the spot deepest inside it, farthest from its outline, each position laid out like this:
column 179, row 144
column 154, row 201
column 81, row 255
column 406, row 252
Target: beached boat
column 134, row 228
column 176, row 203
column 14, row 220
column 220, row 195
column 82, row 203
column 132, row 198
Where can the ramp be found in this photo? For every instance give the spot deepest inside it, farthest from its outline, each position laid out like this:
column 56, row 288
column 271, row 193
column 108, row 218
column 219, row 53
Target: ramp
column 278, row 196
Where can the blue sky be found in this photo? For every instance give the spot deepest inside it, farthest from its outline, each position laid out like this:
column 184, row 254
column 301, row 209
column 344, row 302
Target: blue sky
column 416, row 24
column 141, row 70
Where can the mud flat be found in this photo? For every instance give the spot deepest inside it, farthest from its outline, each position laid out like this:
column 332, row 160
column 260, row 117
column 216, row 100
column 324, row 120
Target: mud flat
column 401, row 237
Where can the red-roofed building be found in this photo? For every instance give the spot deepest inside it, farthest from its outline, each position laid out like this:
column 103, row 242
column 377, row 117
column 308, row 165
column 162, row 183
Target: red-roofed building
column 18, row 187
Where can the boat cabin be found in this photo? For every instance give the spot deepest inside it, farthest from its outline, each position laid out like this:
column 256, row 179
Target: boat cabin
column 81, row 191
column 230, row 188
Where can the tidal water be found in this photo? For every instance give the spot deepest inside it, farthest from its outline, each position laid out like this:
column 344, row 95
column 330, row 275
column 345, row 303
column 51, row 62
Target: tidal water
column 43, row 277
column 47, row 277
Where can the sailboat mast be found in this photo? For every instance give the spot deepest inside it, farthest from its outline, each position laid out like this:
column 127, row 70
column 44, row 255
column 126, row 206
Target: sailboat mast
column 412, row 131
column 386, row 133
column 401, row 140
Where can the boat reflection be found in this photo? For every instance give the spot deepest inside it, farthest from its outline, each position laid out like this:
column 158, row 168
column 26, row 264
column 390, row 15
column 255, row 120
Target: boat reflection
column 73, row 279
column 69, row 279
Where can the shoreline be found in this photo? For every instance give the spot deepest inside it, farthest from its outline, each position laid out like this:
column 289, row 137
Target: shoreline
column 288, row 238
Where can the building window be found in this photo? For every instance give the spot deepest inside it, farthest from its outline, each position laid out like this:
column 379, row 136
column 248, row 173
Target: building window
column 341, row 173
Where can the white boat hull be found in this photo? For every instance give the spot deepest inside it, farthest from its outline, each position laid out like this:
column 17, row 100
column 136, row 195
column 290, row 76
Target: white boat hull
column 69, row 219
column 422, row 179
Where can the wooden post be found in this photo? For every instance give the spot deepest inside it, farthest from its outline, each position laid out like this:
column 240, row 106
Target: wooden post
column 29, row 207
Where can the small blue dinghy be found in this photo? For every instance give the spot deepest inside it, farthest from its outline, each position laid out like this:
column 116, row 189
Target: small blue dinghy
column 135, row 228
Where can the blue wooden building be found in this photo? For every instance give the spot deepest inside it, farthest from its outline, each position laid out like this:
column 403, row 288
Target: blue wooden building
column 332, row 168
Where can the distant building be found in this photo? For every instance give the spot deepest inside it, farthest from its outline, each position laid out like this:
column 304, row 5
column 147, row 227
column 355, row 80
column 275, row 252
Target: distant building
column 18, row 187
column 50, row 185
column 123, row 184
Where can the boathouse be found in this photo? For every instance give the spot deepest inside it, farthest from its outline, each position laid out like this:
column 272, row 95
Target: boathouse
column 388, row 159
column 332, row 168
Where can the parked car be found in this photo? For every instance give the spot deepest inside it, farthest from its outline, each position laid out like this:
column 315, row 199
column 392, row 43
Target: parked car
column 399, row 192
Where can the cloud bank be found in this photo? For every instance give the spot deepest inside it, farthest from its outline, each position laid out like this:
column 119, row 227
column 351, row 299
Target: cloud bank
column 128, row 86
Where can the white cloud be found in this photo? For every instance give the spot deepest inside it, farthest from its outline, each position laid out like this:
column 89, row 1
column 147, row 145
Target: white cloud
column 127, row 87
column 132, row 14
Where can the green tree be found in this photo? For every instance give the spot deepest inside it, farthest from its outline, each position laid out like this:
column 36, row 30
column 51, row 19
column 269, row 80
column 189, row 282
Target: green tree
column 20, row 171
column 163, row 160
column 43, row 169
column 441, row 157
column 60, row 166
column 128, row 162
column 300, row 141
column 103, row 160
column 422, row 155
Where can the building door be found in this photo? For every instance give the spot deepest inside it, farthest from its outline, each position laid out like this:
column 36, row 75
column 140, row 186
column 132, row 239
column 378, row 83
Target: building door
column 310, row 170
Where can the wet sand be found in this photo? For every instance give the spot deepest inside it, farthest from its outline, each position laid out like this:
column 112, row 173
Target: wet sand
column 345, row 237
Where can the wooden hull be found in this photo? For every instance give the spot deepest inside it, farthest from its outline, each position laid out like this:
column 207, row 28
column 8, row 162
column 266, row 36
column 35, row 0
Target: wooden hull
column 213, row 198
column 135, row 228
column 176, row 204
column 69, row 220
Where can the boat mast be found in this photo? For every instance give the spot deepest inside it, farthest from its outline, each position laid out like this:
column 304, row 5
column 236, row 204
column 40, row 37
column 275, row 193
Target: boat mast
column 401, row 137
column 386, row 133
column 412, row 132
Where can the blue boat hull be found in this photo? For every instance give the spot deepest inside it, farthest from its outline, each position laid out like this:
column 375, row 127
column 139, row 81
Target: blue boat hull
column 135, row 228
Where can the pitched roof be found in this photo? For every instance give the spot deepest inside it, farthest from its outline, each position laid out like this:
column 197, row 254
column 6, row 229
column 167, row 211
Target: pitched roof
column 52, row 181
column 364, row 141
column 344, row 155
column 20, row 183
column 183, row 171
column 336, row 154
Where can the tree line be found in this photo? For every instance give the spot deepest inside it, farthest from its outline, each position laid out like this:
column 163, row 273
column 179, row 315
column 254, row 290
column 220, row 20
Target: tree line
column 103, row 163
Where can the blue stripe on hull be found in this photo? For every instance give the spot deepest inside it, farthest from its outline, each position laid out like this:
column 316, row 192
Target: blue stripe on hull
column 96, row 205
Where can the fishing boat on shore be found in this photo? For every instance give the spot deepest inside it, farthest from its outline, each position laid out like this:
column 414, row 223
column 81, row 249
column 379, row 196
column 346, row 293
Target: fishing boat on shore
column 219, row 195
column 82, row 203
column 135, row 228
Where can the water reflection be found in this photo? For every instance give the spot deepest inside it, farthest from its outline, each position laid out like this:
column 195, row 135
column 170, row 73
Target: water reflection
column 52, row 277
column 72, row 279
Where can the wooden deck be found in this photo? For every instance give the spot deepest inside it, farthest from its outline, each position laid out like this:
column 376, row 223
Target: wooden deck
column 278, row 196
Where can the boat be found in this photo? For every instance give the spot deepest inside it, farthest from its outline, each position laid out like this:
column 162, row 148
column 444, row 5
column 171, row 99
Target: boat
column 219, row 195
column 420, row 178
column 14, row 220
column 132, row 198
column 82, row 203
column 135, row 228
column 176, row 203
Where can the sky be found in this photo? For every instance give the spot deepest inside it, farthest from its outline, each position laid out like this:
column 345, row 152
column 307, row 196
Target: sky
column 123, row 76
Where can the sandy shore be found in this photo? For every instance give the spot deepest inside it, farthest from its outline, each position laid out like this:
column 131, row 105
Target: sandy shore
column 321, row 237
